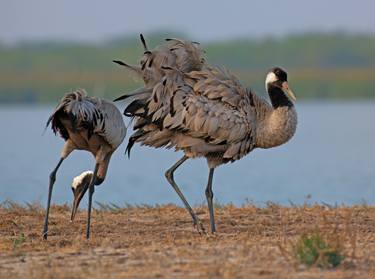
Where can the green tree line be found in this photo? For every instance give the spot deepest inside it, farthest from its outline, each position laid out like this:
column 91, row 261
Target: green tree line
column 320, row 66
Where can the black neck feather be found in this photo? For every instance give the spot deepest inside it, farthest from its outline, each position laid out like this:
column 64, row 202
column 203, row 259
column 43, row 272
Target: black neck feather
column 278, row 97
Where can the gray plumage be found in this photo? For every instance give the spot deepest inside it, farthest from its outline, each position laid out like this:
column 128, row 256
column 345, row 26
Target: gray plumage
column 77, row 113
column 204, row 111
column 91, row 124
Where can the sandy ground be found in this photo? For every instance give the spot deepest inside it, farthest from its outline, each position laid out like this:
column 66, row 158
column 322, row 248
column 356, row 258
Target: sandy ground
column 145, row 242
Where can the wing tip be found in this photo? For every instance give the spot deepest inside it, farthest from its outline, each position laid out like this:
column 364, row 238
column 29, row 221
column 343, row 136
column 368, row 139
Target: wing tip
column 143, row 42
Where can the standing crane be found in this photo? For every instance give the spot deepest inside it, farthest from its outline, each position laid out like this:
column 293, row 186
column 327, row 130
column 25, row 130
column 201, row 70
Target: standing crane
column 204, row 111
column 91, row 124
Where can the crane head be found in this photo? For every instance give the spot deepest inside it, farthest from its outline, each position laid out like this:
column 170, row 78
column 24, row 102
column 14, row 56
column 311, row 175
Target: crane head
column 279, row 78
column 80, row 185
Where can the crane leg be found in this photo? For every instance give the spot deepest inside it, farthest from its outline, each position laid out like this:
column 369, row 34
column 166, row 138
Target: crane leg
column 170, row 178
column 91, row 193
column 209, row 196
column 52, row 179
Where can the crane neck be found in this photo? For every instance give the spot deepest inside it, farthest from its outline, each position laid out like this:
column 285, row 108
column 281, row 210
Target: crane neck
column 277, row 123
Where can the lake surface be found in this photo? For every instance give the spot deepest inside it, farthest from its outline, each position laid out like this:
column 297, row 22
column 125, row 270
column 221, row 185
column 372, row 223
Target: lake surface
column 331, row 158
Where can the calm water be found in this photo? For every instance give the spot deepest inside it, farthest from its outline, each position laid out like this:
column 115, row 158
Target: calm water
column 331, row 158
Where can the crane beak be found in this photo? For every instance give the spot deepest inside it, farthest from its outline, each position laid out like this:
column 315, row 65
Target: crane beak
column 285, row 88
column 78, row 193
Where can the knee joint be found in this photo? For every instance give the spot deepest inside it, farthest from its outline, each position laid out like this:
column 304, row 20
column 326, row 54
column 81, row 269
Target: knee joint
column 52, row 176
column 209, row 193
column 169, row 175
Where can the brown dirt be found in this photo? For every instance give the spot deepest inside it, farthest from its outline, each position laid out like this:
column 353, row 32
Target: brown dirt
column 145, row 242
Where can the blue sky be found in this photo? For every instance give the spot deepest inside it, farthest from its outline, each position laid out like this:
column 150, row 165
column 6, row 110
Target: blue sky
column 202, row 20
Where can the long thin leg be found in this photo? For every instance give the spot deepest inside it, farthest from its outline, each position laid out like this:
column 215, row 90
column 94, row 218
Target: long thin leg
column 209, row 196
column 52, row 179
column 91, row 192
column 170, row 178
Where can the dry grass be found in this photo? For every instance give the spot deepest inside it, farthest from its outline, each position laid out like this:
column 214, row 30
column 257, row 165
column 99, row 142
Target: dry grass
column 148, row 242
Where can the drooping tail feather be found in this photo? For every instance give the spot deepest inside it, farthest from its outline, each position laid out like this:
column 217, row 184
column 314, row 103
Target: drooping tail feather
column 81, row 111
column 132, row 140
column 149, row 104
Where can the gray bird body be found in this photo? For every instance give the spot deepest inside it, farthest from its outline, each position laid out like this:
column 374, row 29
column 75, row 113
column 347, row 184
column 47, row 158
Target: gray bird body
column 204, row 111
column 91, row 124
column 88, row 123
